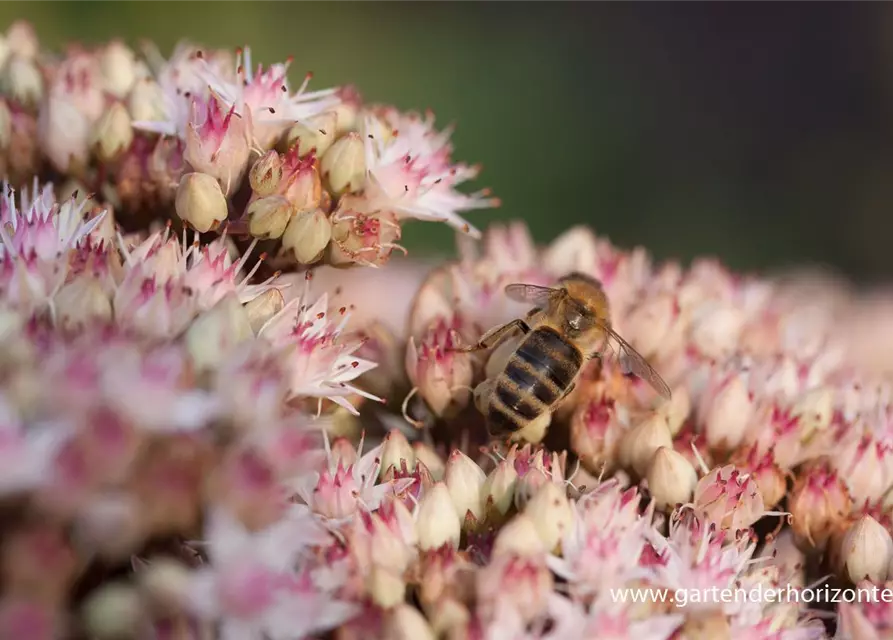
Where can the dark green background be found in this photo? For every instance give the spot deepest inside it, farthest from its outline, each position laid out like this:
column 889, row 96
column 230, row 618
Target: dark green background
column 761, row 132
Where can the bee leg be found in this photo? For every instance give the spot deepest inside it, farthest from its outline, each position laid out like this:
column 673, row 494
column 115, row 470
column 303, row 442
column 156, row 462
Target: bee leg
column 564, row 395
column 495, row 336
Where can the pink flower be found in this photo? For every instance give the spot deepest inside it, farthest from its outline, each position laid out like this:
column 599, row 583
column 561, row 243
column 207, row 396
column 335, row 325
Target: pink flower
column 728, row 499
column 441, row 375
column 320, row 364
column 217, row 142
column 410, row 172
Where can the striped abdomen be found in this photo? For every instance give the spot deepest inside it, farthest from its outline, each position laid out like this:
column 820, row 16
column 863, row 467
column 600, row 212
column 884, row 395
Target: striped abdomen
column 536, row 376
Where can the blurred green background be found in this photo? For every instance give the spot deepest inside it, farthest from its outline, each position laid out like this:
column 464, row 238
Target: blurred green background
column 759, row 132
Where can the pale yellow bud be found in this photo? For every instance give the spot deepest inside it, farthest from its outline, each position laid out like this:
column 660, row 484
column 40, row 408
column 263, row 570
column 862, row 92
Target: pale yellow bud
column 318, row 133
column 551, row 513
column 5, row 125
column 117, row 64
column 465, row 479
column 305, row 191
column 676, row 410
column 113, row 611
column 264, row 307
column 499, row 489
column 386, row 587
column 436, row 520
column 112, row 133
column 200, row 201
column 815, row 409
column 214, row 334
column 266, row 174
column 82, row 302
column 21, row 81
column 430, row 458
column 671, row 478
column 307, row 236
column 145, row 102
column 866, row 551
column 641, row 442
column 344, row 165
column 22, row 39
column 269, row 216
column 166, row 583
column 395, row 453
column 346, row 116
column 518, row 536
column 405, row 622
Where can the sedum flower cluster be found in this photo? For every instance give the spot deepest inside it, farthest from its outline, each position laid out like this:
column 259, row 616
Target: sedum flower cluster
column 194, row 445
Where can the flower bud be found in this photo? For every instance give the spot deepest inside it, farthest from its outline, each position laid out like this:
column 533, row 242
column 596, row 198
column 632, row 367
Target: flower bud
column 318, row 133
column 21, row 81
column 344, row 165
column 430, row 458
column 145, row 102
column 671, row 479
column 217, row 142
column 304, row 189
column 200, row 201
column 307, row 236
column 118, row 67
column 269, row 216
column 436, row 521
column 768, row 476
column 465, row 479
column 596, row 433
column 405, row 622
column 499, row 491
column 819, row 503
column 729, row 499
column 441, row 375
column 166, row 583
column 82, row 302
column 521, row 583
column 726, row 413
column 866, row 551
column 676, row 410
column 347, row 111
column 396, row 453
column 641, row 442
column 216, row 332
column 551, row 513
column 344, row 452
column 112, row 134
column 112, row 611
column 518, row 536
column 386, row 588
column 266, row 174
column 22, row 40
column 264, row 307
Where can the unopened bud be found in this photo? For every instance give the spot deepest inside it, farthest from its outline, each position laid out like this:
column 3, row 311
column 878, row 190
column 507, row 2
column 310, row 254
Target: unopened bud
column 405, row 622
column 82, row 302
column 266, row 174
column 21, row 81
column 113, row 133
column 318, row 133
column 386, row 588
column 344, row 165
column 308, row 235
column 200, row 201
column 551, row 513
column 396, row 453
column 671, row 479
column 430, row 458
column 464, row 479
column 499, row 491
column 117, row 64
column 214, row 334
column 866, row 551
column 22, row 39
column 676, row 410
column 727, row 414
column 113, row 611
column 269, row 216
column 641, row 442
column 166, row 583
column 437, row 522
column 145, row 102
column 519, row 536
column 264, row 307
column 305, row 190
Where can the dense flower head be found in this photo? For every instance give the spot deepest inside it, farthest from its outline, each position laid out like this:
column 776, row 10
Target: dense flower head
column 209, row 430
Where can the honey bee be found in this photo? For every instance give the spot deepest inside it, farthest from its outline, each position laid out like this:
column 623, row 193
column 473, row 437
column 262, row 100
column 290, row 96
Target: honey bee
column 568, row 324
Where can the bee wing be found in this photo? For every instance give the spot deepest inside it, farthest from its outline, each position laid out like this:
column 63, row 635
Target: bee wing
column 532, row 293
column 631, row 361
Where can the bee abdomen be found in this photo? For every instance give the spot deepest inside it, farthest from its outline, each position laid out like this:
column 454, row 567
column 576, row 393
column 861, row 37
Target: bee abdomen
column 536, row 376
